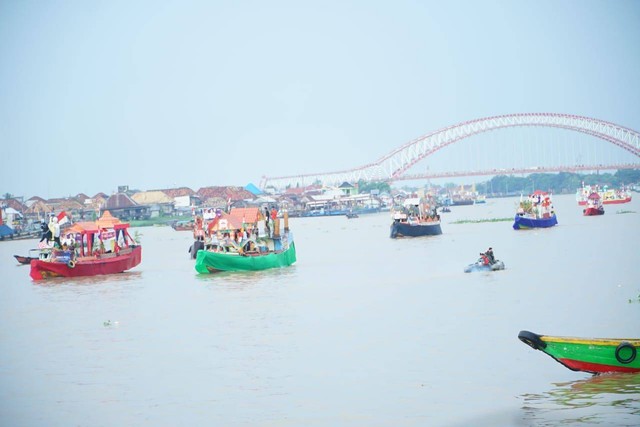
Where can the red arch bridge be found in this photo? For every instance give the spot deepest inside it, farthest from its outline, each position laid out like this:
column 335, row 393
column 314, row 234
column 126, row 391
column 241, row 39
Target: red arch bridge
column 399, row 163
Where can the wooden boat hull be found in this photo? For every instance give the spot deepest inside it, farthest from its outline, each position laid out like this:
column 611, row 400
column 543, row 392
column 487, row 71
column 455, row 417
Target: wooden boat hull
column 593, row 355
column 593, row 211
column 524, row 223
column 90, row 266
column 404, row 229
column 212, row 262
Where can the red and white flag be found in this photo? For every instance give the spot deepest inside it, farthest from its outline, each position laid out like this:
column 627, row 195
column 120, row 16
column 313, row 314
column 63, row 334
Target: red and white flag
column 62, row 218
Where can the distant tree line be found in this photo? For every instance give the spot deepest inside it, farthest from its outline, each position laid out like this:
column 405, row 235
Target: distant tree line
column 557, row 183
column 560, row 183
column 366, row 187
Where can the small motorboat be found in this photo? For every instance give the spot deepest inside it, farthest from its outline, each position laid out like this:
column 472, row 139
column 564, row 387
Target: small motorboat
column 351, row 215
column 482, row 265
column 26, row 260
column 593, row 355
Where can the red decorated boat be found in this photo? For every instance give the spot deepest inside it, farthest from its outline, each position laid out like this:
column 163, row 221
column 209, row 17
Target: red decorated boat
column 615, row 197
column 608, row 196
column 91, row 249
column 594, row 205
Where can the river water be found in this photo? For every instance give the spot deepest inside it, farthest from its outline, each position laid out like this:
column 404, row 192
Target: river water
column 362, row 331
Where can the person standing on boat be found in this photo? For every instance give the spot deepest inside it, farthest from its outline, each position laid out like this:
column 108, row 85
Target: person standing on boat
column 267, row 229
column 55, row 231
column 489, row 254
column 46, row 233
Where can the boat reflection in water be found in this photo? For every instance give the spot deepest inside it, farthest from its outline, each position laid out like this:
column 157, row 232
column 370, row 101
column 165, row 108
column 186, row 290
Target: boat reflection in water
column 604, row 400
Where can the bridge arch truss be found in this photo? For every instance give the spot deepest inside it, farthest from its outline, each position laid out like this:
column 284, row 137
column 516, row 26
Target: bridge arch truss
column 394, row 165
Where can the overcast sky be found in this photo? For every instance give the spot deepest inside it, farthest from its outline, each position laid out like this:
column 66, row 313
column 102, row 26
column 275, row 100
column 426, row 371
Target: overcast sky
column 158, row 94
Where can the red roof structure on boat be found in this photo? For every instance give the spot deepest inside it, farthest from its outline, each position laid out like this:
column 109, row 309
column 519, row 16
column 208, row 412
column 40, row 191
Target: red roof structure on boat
column 105, row 221
column 238, row 216
column 540, row 193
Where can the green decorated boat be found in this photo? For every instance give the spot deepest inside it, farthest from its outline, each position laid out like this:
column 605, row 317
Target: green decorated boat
column 251, row 255
column 593, row 355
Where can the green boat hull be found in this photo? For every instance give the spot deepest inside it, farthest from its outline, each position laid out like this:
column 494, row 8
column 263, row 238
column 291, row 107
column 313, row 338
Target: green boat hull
column 212, row 262
column 594, row 355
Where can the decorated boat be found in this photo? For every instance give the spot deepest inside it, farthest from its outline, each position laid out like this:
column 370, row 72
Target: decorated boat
column 608, row 196
column 583, row 193
column 536, row 211
column 90, row 249
column 593, row 206
column 615, row 197
column 236, row 249
column 417, row 217
column 593, row 355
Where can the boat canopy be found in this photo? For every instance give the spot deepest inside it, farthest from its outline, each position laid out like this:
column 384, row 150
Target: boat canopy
column 105, row 221
column 412, row 201
column 540, row 193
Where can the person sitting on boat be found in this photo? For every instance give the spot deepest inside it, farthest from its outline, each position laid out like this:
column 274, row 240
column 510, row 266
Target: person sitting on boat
column 484, row 258
column 489, row 254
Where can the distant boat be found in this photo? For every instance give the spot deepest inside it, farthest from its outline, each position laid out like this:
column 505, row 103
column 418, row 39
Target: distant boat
column 462, row 202
column 608, row 196
column 416, row 218
column 188, row 225
column 536, row 211
column 615, row 197
column 480, row 199
column 593, row 206
column 593, row 355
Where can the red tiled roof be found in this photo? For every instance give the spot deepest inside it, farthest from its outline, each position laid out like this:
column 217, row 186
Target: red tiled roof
column 233, row 193
column 15, row 204
column 178, row 192
column 296, row 190
column 119, row 200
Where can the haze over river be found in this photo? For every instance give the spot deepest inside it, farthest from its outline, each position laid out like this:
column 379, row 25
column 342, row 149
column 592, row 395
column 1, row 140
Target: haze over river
column 362, row 331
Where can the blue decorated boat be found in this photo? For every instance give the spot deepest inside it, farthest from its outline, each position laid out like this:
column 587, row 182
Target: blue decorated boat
column 536, row 211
